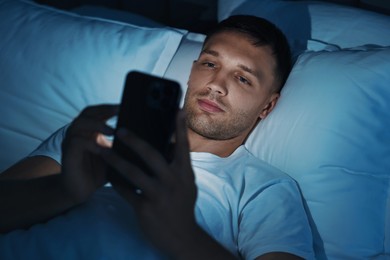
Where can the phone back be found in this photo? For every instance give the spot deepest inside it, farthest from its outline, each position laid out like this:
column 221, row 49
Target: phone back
column 148, row 109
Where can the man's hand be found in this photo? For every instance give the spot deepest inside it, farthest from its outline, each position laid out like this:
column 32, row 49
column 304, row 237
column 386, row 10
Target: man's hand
column 165, row 208
column 27, row 201
column 83, row 171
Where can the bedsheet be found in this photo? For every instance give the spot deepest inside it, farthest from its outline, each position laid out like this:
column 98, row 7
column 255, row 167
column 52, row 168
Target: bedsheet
column 98, row 229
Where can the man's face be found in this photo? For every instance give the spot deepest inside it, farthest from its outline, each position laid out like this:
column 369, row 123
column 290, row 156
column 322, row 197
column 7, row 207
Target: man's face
column 230, row 87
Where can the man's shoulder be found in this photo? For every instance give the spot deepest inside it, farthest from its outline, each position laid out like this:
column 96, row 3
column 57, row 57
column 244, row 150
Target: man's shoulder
column 241, row 166
column 51, row 147
column 255, row 165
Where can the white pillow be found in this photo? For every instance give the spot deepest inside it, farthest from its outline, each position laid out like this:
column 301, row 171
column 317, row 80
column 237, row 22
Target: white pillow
column 116, row 15
column 54, row 63
column 225, row 8
column 324, row 22
column 331, row 132
column 180, row 67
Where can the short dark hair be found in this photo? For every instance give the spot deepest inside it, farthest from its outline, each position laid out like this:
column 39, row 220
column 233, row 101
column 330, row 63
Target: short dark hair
column 263, row 33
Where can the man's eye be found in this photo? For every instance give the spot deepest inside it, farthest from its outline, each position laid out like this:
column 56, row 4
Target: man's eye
column 209, row 64
column 243, row 80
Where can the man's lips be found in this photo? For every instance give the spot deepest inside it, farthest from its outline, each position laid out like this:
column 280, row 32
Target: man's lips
column 209, row 106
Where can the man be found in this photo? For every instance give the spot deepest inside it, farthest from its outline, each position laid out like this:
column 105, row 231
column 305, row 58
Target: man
column 219, row 202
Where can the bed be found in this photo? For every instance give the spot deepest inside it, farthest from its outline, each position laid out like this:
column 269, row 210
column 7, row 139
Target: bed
column 329, row 131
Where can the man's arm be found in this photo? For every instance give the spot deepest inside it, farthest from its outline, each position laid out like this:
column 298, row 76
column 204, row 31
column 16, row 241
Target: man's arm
column 31, row 167
column 166, row 201
column 165, row 208
column 26, row 202
column 33, row 192
column 19, row 182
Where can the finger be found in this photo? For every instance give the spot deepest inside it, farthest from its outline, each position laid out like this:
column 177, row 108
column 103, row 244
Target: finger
column 131, row 173
column 100, row 112
column 86, row 126
column 103, row 141
column 82, row 144
column 154, row 160
column 94, row 117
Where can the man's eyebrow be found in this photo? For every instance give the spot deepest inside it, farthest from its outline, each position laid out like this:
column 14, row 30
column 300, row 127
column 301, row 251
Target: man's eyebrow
column 257, row 74
column 211, row 52
column 247, row 69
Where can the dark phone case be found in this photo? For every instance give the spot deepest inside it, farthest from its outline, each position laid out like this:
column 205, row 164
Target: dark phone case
column 148, row 109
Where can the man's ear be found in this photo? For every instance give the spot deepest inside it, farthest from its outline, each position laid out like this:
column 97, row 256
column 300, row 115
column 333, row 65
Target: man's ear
column 269, row 106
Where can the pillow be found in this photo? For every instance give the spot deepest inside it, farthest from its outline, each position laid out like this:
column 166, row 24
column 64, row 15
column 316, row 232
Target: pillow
column 116, row 15
column 330, row 132
column 323, row 22
column 189, row 49
column 55, row 63
column 180, row 67
column 225, row 8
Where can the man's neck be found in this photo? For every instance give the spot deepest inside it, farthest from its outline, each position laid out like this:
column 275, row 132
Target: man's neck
column 221, row 148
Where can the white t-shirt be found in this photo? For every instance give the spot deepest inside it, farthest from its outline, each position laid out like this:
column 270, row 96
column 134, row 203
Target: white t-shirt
column 250, row 207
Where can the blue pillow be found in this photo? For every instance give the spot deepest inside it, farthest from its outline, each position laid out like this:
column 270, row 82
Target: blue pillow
column 330, row 132
column 307, row 23
column 55, row 63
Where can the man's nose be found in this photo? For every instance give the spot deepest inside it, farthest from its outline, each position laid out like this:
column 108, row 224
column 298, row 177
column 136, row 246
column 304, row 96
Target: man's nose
column 217, row 84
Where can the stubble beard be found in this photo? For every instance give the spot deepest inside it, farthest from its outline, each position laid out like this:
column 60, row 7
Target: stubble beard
column 227, row 126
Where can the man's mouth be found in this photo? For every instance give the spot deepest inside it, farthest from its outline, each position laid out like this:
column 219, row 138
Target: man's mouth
column 209, row 106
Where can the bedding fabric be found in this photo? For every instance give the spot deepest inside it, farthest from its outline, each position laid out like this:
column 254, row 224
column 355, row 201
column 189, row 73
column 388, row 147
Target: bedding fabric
column 55, row 63
column 330, row 132
column 306, row 23
column 225, row 8
column 97, row 229
column 189, row 49
column 180, row 67
column 115, row 15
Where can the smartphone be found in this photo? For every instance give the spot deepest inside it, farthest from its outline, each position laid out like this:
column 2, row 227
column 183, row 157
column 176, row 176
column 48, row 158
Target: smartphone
column 148, row 109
